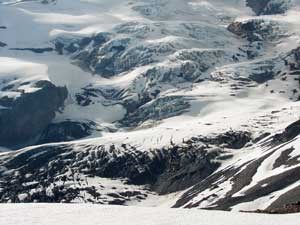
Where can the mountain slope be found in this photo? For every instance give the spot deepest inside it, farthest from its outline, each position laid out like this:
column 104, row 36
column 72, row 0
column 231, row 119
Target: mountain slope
column 152, row 97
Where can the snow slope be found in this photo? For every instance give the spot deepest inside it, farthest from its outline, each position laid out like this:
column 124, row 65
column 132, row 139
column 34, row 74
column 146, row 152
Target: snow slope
column 46, row 214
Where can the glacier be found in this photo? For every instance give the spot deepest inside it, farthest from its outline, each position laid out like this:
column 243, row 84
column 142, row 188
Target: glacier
column 134, row 102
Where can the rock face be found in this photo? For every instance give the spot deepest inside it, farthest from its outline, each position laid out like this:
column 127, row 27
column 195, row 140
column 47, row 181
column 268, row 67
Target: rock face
column 2, row 44
column 65, row 131
column 261, row 33
column 25, row 117
column 288, row 134
column 56, row 167
column 285, row 209
column 257, row 30
column 269, row 7
column 292, row 61
column 230, row 139
column 234, row 186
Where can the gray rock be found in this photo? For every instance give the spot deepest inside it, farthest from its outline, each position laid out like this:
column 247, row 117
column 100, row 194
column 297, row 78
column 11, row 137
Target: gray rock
column 292, row 61
column 241, row 176
column 164, row 170
column 258, row 30
column 288, row 134
column 260, row 33
column 27, row 116
column 66, row 131
column 2, row 44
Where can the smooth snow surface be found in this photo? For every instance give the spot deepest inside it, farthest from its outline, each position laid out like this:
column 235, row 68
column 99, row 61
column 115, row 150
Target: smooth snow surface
column 61, row 214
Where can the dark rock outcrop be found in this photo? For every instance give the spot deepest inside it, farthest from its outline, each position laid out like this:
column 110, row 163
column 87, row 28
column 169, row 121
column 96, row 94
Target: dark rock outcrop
column 255, row 30
column 288, row 134
column 25, row 117
column 240, row 175
column 269, row 7
column 34, row 50
column 230, row 139
column 262, row 77
column 165, row 170
column 48, row 1
column 285, row 209
column 292, row 61
column 65, row 131
column 2, row 44
column 258, row 33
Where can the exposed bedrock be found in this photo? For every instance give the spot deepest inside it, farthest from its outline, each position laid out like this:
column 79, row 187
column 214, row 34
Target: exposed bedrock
column 240, row 178
column 23, row 118
column 292, row 60
column 288, row 134
column 256, row 30
column 165, row 170
column 2, row 44
column 269, row 7
column 66, row 131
